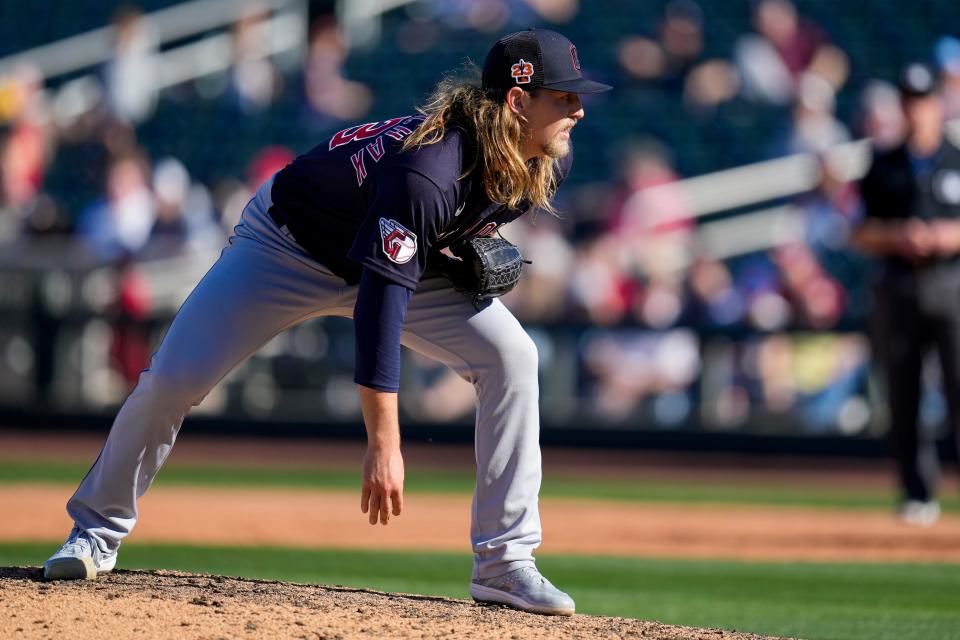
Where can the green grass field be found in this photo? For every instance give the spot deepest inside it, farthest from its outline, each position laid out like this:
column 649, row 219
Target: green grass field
column 461, row 482
column 810, row 600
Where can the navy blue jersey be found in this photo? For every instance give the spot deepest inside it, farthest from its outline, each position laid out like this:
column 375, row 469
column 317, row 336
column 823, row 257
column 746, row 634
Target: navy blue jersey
column 356, row 201
column 896, row 187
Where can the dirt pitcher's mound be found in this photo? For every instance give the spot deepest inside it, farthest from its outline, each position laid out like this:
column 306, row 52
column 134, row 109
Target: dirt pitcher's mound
column 168, row 604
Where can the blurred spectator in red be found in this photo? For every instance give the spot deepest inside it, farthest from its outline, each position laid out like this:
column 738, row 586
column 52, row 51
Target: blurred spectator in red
column 816, row 298
column 120, row 223
column 644, row 201
column 783, row 48
column 653, row 228
column 231, row 196
column 266, row 162
column 600, row 289
column 23, row 106
column 130, row 340
column 131, row 75
column 331, row 98
column 25, row 151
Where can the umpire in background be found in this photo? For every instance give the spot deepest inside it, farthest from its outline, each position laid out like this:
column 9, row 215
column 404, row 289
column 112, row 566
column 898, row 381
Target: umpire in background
column 911, row 196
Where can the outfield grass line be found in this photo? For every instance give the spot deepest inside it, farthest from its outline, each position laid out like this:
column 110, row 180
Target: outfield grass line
column 461, row 483
column 200, row 549
column 652, row 494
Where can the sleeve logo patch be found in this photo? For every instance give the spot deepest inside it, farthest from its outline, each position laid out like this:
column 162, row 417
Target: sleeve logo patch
column 399, row 243
column 522, row 72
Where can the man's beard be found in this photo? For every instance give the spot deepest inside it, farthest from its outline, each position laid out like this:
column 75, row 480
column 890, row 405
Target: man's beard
column 557, row 148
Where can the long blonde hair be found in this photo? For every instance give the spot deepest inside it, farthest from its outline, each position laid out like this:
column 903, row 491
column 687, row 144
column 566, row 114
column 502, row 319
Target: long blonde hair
column 498, row 132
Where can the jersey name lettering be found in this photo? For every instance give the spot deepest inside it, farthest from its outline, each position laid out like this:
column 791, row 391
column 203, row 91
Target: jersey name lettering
column 399, row 132
column 359, row 167
column 376, row 149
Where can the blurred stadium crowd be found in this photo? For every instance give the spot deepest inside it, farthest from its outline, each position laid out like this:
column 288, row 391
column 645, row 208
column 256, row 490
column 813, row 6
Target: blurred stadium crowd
column 128, row 167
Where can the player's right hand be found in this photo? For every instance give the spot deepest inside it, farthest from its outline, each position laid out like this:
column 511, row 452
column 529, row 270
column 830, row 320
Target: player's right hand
column 917, row 240
column 382, row 483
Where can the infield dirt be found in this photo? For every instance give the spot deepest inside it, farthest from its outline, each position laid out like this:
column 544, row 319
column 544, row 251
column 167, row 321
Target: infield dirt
column 167, row 604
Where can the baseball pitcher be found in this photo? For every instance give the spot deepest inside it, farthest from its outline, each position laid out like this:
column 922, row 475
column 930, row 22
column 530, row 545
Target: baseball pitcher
column 393, row 223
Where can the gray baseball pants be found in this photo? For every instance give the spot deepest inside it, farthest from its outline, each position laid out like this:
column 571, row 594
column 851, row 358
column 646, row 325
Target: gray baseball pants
column 264, row 283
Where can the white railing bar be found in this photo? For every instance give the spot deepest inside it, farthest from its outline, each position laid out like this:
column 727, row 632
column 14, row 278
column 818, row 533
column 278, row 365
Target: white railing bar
column 95, row 46
column 367, row 9
column 750, row 232
column 759, row 182
column 215, row 53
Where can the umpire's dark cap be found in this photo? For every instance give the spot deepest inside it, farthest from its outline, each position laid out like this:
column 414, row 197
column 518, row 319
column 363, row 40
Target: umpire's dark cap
column 533, row 59
column 917, row 80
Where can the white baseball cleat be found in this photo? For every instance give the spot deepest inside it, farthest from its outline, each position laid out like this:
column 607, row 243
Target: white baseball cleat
column 78, row 559
column 524, row 589
column 919, row 513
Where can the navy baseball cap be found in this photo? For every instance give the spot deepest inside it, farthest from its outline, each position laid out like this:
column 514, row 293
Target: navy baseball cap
column 917, row 80
column 533, row 59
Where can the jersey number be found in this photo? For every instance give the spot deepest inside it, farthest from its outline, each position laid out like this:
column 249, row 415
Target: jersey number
column 361, row 132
